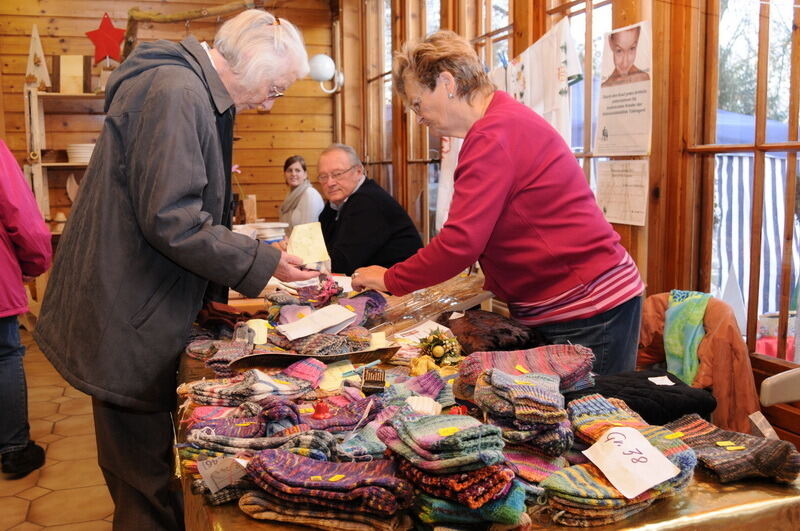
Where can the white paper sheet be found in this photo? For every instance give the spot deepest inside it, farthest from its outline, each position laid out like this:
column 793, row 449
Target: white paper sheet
column 328, row 320
column 421, row 331
column 308, row 243
column 622, row 188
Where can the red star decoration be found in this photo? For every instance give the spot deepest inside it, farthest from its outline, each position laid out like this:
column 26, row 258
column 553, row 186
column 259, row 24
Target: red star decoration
column 106, row 40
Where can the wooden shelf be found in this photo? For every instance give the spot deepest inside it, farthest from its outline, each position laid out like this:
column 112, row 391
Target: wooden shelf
column 59, row 95
column 64, row 164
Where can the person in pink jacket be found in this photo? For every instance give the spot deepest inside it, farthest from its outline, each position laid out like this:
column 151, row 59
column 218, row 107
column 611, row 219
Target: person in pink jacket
column 26, row 253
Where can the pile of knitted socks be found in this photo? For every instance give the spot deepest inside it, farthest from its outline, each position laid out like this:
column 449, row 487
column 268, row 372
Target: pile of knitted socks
column 529, row 408
column 571, row 363
column 732, row 456
column 366, row 488
column 261, row 505
column 581, row 495
column 253, row 385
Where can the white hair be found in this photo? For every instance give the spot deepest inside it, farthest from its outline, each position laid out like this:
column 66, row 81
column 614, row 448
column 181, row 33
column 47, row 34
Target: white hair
column 257, row 46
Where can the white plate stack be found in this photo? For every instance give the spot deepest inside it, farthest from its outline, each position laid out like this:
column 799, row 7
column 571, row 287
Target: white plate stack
column 271, row 231
column 79, row 153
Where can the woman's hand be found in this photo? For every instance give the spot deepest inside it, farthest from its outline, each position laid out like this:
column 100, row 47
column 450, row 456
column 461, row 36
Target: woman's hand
column 369, row 278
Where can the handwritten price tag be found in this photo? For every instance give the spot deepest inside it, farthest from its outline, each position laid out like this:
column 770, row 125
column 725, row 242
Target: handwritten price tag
column 629, row 461
column 219, row 472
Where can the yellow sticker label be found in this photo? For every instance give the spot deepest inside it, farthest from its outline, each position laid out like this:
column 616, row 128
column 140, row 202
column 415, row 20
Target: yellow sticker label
column 523, row 382
column 245, row 423
column 674, row 435
column 307, row 410
column 313, row 300
column 521, row 369
column 349, row 307
column 735, row 448
column 725, row 443
column 337, row 477
column 616, row 424
column 450, row 430
column 316, row 478
column 300, row 315
column 281, row 382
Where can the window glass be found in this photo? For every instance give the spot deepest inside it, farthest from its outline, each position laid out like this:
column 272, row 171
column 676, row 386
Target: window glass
column 738, row 58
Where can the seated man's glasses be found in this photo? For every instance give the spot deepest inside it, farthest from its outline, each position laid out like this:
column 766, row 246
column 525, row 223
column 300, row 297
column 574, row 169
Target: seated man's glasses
column 335, row 175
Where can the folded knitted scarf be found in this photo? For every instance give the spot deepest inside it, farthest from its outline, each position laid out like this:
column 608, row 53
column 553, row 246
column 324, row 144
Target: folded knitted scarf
column 472, row 489
column 370, row 487
column 657, row 404
column 262, row 506
column 571, row 363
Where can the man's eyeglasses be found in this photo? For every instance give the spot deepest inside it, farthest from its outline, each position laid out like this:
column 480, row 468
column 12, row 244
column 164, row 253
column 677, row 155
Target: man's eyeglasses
column 335, row 175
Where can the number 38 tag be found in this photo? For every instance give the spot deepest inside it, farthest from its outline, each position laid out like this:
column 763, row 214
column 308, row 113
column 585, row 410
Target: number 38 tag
column 629, row 461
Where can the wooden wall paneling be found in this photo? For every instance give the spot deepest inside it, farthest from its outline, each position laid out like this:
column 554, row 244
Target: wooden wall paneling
column 302, row 122
column 2, row 111
column 353, row 61
column 791, row 189
column 529, row 25
column 634, row 239
column 402, row 12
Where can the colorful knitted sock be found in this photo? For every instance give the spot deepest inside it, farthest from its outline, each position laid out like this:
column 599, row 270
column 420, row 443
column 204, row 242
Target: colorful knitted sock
column 445, row 433
column 348, row 418
column 509, row 509
column 535, row 396
column 294, row 312
column 262, row 506
column 315, row 444
column 362, row 487
column 366, row 441
column 572, row 363
column 472, row 489
column 733, row 456
column 486, row 397
column 428, row 384
column 320, row 345
column 592, row 416
column 446, row 397
column 460, row 463
column 551, row 439
column 309, row 369
column 531, row 464
column 471, row 445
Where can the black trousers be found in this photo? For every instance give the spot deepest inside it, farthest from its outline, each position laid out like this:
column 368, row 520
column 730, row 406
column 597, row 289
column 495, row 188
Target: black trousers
column 134, row 451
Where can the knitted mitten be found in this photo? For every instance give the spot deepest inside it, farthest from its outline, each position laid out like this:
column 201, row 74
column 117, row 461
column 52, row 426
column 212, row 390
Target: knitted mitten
column 733, row 456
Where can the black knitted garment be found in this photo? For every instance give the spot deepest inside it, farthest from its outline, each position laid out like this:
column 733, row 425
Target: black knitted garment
column 657, row 404
column 480, row 331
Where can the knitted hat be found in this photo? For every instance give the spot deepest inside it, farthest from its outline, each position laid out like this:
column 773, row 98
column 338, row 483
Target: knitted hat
column 733, row 456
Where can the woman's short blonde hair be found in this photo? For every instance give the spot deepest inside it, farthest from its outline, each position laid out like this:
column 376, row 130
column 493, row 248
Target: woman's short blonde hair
column 442, row 51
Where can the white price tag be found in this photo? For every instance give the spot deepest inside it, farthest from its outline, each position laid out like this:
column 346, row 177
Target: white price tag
column 629, row 461
column 219, row 472
column 661, row 380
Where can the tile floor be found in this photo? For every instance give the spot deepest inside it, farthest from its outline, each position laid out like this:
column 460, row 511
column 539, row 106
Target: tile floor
column 68, row 493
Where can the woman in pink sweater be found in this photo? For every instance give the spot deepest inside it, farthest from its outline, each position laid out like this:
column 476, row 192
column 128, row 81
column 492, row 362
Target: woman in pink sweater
column 521, row 207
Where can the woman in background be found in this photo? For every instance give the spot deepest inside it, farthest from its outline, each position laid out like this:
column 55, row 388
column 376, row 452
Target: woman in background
column 303, row 204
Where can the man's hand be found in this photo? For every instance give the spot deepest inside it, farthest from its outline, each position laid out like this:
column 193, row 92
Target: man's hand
column 369, row 278
column 289, row 270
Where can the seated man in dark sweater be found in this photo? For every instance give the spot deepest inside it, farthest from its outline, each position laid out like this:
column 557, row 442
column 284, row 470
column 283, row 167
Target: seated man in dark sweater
column 362, row 224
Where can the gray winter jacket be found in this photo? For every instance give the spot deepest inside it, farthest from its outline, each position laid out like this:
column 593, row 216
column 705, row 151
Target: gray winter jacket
column 144, row 237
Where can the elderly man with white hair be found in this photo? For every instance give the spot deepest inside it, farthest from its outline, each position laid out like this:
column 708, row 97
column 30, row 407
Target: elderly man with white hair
column 149, row 239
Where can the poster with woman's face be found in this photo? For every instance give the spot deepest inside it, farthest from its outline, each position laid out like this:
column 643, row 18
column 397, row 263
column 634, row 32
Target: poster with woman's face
column 624, row 114
column 627, row 54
